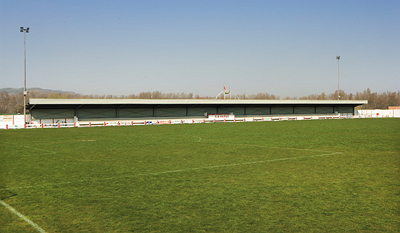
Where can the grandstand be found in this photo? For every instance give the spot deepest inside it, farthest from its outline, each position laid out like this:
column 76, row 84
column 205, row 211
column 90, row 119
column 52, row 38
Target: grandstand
column 131, row 109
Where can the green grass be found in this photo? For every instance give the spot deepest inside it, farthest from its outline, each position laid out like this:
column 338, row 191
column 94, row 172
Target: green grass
column 292, row 176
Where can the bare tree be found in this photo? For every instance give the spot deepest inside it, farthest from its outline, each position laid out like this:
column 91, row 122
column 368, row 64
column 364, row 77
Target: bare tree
column 13, row 103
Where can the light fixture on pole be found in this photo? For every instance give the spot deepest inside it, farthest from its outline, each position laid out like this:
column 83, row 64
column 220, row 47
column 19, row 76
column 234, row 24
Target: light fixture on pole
column 338, row 77
column 24, row 30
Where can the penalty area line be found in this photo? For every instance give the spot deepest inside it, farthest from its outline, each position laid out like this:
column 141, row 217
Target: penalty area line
column 34, row 225
column 239, row 164
column 179, row 170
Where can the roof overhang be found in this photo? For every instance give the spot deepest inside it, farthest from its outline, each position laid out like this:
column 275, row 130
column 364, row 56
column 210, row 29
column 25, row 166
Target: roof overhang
column 38, row 102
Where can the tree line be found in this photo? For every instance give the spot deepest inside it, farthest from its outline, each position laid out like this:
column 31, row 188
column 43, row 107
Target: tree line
column 13, row 103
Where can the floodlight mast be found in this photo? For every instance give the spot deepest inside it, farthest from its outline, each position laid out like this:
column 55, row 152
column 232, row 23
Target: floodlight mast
column 338, row 71
column 24, row 30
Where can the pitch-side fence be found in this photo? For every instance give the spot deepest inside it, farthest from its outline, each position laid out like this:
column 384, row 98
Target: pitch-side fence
column 173, row 121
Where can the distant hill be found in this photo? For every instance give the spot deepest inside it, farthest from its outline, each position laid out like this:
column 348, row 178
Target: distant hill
column 35, row 89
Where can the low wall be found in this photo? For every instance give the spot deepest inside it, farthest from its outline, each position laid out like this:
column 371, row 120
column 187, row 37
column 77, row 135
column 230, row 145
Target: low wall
column 15, row 121
column 378, row 113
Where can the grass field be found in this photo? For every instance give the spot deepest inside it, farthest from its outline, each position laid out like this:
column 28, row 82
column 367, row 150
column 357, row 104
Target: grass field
column 291, row 176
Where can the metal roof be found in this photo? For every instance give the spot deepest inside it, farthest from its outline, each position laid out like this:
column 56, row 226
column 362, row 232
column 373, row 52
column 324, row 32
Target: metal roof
column 34, row 101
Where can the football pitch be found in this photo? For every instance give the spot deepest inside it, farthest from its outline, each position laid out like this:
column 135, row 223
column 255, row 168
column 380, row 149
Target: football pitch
column 289, row 176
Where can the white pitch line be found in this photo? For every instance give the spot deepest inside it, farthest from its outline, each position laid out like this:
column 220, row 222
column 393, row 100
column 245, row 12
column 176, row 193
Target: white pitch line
column 238, row 164
column 174, row 171
column 199, row 138
column 39, row 229
column 33, row 148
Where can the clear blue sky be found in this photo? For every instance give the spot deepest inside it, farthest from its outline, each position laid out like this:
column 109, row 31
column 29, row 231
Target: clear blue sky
column 122, row 47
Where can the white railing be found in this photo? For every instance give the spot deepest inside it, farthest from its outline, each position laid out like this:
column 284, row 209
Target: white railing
column 49, row 124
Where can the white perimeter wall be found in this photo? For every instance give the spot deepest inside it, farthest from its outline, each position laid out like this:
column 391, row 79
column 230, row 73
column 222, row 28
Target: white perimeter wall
column 16, row 121
column 378, row 113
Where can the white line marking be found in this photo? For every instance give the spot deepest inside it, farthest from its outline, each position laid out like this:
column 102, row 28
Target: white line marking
column 199, row 138
column 33, row 148
column 39, row 229
column 174, row 171
column 238, row 164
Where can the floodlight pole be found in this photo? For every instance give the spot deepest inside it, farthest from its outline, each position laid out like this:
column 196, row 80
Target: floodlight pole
column 24, row 30
column 338, row 76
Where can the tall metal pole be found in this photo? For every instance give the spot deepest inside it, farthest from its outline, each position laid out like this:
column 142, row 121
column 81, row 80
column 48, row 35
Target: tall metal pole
column 24, row 30
column 338, row 76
